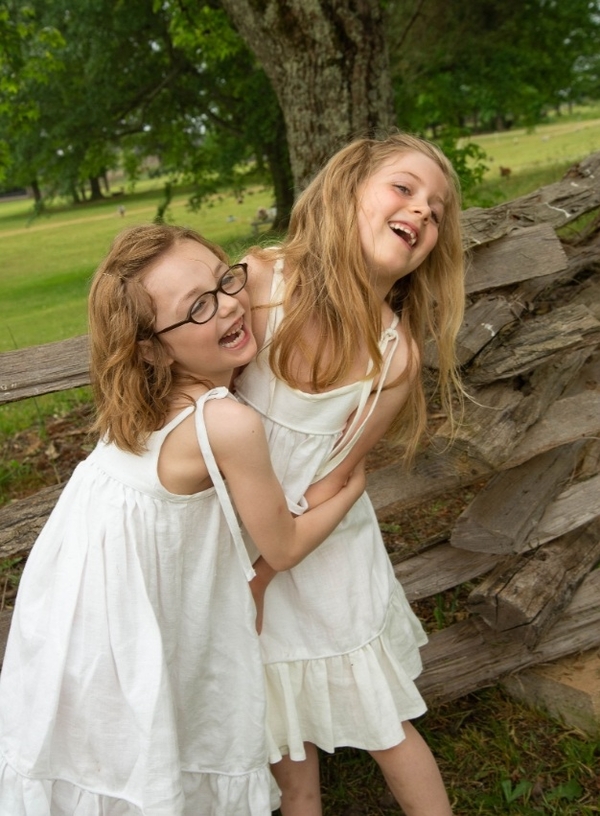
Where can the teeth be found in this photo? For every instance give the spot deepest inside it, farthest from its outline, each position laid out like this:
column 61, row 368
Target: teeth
column 409, row 235
column 232, row 338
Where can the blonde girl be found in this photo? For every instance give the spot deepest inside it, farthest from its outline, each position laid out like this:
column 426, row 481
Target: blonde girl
column 371, row 268
column 132, row 683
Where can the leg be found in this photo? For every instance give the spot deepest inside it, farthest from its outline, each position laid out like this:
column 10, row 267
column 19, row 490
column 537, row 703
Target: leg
column 299, row 783
column 413, row 776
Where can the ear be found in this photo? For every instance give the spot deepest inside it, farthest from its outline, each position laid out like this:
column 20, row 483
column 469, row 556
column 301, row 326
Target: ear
column 148, row 351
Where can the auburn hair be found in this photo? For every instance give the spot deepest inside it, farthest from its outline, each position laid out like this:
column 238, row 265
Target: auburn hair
column 130, row 371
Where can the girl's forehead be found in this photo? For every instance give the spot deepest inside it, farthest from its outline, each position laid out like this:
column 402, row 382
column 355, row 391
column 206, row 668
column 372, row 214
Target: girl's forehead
column 186, row 266
column 192, row 257
column 408, row 159
column 196, row 252
column 413, row 164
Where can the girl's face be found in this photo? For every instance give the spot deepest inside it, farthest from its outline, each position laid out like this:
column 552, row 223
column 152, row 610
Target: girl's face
column 400, row 208
column 211, row 350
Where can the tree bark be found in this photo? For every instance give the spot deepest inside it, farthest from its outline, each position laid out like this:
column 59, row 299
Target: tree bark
column 327, row 61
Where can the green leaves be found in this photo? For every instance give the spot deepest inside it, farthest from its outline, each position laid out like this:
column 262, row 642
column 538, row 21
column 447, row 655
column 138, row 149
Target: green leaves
column 569, row 791
column 491, row 64
column 520, row 790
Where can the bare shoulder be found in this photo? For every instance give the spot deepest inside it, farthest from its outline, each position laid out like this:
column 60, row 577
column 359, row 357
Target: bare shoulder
column 232, row 427
column 260, row 275
column 260, row 278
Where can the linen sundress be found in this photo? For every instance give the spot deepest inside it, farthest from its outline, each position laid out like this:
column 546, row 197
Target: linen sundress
column 132, row 683
column 340, row 642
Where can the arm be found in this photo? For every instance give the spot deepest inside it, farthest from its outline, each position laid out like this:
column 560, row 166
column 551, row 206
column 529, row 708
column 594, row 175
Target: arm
column 240, row 447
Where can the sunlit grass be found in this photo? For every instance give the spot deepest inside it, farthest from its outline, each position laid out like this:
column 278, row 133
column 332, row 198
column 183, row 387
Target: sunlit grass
column 562, row 139
column 494, row 190
column 47, row 262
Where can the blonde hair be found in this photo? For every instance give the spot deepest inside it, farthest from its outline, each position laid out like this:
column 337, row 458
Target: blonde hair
column 130, row 370
column 328, row 278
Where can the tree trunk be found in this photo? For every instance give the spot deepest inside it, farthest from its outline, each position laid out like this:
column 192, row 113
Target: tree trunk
column 328, row 64
column 279, row 167
column 96, row 192
column 36, row 192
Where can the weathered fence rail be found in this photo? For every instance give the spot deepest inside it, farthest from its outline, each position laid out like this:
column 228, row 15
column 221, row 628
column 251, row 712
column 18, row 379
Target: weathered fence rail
column 530, row 351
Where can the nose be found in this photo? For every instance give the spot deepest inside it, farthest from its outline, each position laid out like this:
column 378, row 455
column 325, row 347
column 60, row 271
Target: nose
column 227, row 303
column 422, row 208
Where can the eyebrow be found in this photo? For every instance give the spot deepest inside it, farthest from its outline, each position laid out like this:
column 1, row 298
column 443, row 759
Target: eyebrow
column 196, row 291
column 435, row 197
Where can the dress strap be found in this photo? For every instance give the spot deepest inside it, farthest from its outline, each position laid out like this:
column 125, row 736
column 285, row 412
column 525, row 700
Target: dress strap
column 218, row 482
column 276, row 296
column 353, row 432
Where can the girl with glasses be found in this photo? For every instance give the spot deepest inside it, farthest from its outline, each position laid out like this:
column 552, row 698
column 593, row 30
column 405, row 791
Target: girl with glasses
column 132, row 683
column 372, row 266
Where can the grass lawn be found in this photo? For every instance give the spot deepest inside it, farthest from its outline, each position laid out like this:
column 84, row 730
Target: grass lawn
column 47, row 264
column 555, row 143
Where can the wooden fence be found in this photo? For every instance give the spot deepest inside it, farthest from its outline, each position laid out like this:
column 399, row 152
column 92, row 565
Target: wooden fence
column 530, row 538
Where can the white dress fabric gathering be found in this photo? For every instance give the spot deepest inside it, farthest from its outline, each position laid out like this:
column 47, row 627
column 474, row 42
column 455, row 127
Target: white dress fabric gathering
column 340, row 642
column 132, row 683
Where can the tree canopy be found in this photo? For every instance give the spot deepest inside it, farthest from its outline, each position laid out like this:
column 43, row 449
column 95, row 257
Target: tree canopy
column 209, row 89
column 493, row 63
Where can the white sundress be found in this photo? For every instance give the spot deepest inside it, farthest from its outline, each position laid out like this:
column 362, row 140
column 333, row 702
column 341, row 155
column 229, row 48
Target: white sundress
column 340, row 642
column 132, row 683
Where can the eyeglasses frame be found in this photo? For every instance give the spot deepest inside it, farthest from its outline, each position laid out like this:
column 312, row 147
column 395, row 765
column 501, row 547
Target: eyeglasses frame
column 214, row 292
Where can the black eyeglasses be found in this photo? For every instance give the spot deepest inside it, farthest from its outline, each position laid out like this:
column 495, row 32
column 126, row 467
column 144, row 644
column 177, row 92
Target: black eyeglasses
column 205, row 307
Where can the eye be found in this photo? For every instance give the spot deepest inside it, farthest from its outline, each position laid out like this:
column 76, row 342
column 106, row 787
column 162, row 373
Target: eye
column 233, row 280
column 436, row 217
column 404, row 190
column 228, row 279
column 200, row 306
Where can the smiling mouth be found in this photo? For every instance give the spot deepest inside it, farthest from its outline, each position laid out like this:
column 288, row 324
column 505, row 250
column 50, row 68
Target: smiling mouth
column 233, row 337
column 406, row 233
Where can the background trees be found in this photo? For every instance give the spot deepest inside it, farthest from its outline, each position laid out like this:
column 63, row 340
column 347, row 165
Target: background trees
column 491, row 64
column 210, row 89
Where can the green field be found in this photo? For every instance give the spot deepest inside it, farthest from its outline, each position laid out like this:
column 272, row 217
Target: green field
column 46, row 263
column 557, row 143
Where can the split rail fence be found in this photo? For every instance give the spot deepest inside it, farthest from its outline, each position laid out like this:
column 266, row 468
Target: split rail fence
column 529, row 445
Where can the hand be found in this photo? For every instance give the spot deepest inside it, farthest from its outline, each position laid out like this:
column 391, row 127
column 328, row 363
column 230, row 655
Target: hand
column 259, row 601
column 327, row 487
column 258, row 587
column 357, row 480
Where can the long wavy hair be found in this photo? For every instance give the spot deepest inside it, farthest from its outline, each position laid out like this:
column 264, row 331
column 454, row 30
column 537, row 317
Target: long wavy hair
column 130, row 372
column 327, row 277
